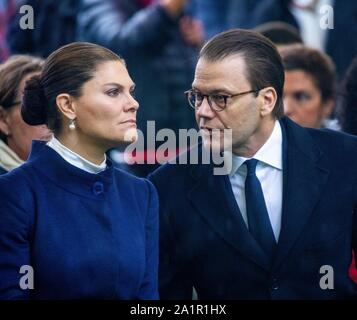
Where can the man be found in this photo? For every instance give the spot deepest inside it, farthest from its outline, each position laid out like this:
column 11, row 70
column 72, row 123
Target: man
column 280, row 226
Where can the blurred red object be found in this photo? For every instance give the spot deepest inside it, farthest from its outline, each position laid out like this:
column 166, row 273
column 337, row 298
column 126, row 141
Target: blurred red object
column 353, row 270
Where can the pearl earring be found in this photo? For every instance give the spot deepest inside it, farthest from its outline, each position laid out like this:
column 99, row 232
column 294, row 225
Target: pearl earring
column 72, row 125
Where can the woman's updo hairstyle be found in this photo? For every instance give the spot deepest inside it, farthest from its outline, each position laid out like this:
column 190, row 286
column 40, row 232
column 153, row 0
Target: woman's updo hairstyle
column 66, row 70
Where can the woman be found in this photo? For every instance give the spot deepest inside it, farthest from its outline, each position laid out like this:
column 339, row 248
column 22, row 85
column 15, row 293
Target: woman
column 309, row 86
column 15, row 135
column 85, row 229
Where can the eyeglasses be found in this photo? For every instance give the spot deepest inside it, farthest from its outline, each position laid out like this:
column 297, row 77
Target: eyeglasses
column 217, row 102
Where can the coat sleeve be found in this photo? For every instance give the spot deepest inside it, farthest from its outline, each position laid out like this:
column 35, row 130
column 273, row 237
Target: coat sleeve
column 15, row 221
column 175, row 282
column 102, row 22
column 149, row 286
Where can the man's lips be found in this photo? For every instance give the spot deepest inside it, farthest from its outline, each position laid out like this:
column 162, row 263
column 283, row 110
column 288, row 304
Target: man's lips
column 204, row 128
column 130, row 121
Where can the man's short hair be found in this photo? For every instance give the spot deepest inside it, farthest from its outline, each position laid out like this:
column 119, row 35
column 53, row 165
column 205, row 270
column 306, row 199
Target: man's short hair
column 263, row 63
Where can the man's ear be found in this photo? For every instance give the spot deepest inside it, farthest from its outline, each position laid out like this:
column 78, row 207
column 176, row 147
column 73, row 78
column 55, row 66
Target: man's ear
column 66, row 106
column 268, row 100
column 4, row 122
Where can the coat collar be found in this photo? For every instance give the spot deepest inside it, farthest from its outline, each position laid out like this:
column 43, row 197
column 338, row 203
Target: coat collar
column 48, row 162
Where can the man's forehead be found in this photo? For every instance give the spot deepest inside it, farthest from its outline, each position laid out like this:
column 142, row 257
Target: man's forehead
column 232, row 59
column 220, row 72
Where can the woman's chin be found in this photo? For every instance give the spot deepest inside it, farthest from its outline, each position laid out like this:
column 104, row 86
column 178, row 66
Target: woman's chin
column 130, row 136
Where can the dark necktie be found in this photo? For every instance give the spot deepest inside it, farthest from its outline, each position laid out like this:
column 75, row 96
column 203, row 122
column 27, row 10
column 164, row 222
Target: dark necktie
column 258, row 219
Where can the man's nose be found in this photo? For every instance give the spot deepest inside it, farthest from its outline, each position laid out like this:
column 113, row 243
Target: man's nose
column 205, row 110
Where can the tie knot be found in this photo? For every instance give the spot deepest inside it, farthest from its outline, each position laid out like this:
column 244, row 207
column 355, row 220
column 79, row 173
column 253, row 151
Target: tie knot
column 251, row 165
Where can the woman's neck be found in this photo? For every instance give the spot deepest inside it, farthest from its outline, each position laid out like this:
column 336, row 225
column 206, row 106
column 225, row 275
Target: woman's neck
column 88, row 151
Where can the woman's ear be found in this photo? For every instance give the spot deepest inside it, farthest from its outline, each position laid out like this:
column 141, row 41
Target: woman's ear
column 66, row 106
column 4, row 121
column 327, row 108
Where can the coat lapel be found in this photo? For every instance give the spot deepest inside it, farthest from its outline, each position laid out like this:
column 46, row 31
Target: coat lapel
column 212, row 197
column 303, row 182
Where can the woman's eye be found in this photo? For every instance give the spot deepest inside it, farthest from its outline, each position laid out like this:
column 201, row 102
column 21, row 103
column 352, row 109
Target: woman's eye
column 132, row 93
column 301, row 96
column 113, row 92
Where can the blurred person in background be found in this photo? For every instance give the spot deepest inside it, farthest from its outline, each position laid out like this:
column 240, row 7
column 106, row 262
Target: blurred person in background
column 221, row 15
column 7, row 9
column 54, row 26
column 347, row 100
column 327, row 25
column 280, row 33
column 15, row 135
column 347, row 114
column 309, row 86
column 159, row 40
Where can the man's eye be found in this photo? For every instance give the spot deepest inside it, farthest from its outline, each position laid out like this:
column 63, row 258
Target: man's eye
column 218, row 98
column 113, row 92
column 198, row 96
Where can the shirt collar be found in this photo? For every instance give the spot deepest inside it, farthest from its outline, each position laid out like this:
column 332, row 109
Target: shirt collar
column 75, row 159
column 270, row 153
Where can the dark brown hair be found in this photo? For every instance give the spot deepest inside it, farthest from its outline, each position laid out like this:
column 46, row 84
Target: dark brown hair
column 314, row 63
column 12, row 71
column 66, row 70
column 280, row 33
column 263, row 62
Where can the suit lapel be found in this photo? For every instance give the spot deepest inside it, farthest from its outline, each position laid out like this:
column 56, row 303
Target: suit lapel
column 213, row 199
column 303, row 182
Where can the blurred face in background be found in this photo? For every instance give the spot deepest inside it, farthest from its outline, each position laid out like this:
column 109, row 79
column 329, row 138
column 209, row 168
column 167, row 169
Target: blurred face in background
column 303, row 101
column 19, row 134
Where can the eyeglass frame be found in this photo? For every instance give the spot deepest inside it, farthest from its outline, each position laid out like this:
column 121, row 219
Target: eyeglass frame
column 208, row 96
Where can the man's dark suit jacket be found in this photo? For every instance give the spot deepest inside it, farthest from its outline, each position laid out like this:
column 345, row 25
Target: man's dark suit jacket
column 205, row 244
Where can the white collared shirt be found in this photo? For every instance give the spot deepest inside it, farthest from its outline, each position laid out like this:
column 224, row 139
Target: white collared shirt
column 270, row 174
column 75, row 159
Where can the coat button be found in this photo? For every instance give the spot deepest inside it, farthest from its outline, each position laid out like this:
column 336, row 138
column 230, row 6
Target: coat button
column 98, row 188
